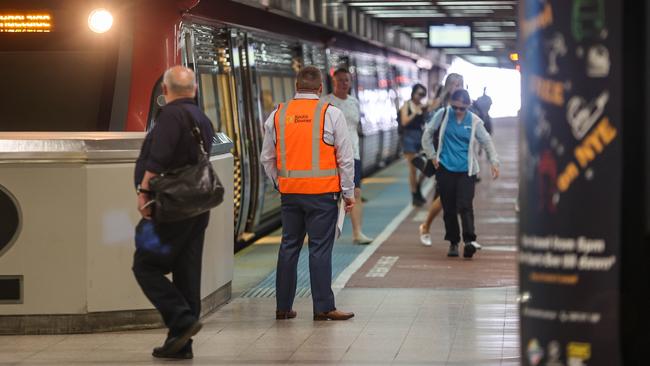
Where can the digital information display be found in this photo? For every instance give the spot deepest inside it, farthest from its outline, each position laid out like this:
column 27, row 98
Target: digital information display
column 27, row 22
column 450, row 36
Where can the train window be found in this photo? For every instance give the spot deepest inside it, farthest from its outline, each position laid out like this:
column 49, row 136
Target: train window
column 209, row 98
column 266, row 95
column 289, row 87
column 278, row 91
column 156, row 103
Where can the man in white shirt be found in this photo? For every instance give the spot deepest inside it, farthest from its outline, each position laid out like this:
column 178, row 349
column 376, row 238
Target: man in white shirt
column 307, row 153
column 349, row 105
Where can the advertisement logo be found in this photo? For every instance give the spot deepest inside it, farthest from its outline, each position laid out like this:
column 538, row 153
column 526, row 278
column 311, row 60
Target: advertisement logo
column 535, row 352
column 578, row 353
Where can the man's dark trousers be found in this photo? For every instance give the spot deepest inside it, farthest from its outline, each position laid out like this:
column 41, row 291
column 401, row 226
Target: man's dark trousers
column 456, row 195
column 316, row 216
column 179, row 302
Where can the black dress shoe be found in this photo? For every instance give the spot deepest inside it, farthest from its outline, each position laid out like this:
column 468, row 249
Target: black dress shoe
column 174, row 345
column 159, row 352
column 184, row 354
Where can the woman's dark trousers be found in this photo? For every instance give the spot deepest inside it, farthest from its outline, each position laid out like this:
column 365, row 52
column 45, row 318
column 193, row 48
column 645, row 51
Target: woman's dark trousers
column 457, row 194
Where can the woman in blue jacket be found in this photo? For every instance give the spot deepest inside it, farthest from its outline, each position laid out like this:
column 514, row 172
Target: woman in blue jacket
column 457, row 165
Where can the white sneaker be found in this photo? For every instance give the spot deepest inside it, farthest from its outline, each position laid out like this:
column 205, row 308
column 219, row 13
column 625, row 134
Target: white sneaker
column 425, row 238
column 362, row 239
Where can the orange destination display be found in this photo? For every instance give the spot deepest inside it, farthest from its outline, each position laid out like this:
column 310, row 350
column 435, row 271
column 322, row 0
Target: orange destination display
column 19, row 23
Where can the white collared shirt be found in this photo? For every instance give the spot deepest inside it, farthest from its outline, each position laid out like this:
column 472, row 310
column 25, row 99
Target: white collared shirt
column 350, row 108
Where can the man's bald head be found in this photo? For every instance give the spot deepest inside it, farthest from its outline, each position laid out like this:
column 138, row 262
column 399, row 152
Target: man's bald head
column 179, row 82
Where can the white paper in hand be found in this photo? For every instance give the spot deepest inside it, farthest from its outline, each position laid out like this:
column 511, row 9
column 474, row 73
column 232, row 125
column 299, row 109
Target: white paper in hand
column 340, row 218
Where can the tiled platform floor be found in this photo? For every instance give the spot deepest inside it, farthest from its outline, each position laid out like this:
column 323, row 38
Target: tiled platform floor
column 391, row 327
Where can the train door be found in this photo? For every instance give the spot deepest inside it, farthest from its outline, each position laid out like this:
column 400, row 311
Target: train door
column 271, row 66
column 213, row 52
column 388, row 128
column 370, row 139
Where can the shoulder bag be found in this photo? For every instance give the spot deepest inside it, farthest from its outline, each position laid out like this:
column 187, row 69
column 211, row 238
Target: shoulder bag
column 188, row 191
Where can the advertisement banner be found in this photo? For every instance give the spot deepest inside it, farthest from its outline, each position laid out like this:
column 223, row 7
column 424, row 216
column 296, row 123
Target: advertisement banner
column 569, row 238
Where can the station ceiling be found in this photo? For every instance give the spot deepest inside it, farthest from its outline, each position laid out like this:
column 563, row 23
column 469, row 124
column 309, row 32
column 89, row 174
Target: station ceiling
column 494, row 23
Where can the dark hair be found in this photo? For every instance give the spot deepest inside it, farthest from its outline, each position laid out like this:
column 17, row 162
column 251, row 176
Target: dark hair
column 461, row 95
column 341, row 70
column 416, row 87
column 309, row 78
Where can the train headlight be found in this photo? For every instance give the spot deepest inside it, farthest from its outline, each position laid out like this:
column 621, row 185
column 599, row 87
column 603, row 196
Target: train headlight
column 100, row 20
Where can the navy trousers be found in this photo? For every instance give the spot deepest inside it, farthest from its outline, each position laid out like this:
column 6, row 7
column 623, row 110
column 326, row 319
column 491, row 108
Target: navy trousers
column 316, row 216
column 179, row 300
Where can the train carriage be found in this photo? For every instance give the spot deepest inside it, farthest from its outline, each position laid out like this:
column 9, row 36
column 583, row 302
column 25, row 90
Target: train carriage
column 110, row 79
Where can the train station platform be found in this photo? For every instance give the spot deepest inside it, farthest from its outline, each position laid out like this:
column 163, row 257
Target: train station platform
column 413, row 305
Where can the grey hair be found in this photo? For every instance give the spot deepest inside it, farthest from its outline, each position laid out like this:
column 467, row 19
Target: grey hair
column 180, row 81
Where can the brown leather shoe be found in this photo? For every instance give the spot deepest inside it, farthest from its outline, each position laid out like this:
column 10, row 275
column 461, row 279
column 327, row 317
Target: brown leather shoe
column 280, row 314
column 333, row 315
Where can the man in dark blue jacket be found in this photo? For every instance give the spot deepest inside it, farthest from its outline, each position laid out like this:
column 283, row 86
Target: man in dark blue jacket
column 170, row 145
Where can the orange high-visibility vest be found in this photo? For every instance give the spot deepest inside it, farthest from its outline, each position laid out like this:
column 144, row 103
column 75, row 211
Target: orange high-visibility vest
column 306, row 164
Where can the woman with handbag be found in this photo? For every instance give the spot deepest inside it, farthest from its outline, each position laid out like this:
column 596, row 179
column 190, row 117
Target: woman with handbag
column 412, row 117
column 456, row 163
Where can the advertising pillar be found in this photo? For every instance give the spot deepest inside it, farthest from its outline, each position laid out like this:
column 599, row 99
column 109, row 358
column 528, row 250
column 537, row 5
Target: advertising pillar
column 570, row 186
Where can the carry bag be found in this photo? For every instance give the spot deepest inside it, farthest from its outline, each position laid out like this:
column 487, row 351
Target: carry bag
column 189, row 191
column 423, row 164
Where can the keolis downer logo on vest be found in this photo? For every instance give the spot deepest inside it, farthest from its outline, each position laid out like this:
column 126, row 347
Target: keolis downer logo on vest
column 300, row 118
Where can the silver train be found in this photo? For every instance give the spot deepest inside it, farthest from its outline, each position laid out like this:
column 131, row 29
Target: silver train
column 243, row 74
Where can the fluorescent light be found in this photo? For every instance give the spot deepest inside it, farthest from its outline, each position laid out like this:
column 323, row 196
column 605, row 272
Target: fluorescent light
column 485, row 48
column 487, row 29
column 495, row 23
column 405, row 11
column 473, row 11
column 495, row 34
column 390, row 3
column 419, row 35
column 445, row 3
column 477, row 7
column 478, row 59
column 410, row 15
column 489, row 42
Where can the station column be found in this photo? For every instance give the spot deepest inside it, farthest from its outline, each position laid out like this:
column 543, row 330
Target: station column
column 583, row 221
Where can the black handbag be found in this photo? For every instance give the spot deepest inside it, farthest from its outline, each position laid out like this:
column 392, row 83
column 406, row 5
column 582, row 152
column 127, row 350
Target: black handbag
column 188, row 191
column 425, row 165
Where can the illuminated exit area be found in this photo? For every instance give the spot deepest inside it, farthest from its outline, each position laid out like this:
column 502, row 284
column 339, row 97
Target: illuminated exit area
column 502, row 85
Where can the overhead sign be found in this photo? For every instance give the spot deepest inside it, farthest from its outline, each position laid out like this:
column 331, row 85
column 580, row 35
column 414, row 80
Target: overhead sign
column 26, row 22
column 450, row 36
